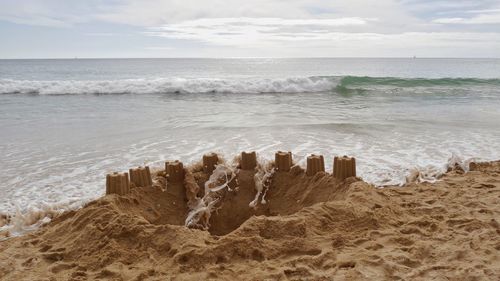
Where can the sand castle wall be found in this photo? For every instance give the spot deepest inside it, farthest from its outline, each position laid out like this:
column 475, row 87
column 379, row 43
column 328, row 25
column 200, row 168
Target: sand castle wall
column 344, row 167
column 117, row 183
column 315, row 164
column 283, row 161
column 248, row 160
column 141, row 176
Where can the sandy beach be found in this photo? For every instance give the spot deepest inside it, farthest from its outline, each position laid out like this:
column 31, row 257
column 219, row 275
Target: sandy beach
column 310, row 228
column 249, row 140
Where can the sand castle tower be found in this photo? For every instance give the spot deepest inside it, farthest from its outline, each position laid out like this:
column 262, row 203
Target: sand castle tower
column 248, row 160
column 141, row 176
column 315, row 164
column 344, row 167
column 210, row 160
column 283, row 161
column 175, row 171
column 117, row 183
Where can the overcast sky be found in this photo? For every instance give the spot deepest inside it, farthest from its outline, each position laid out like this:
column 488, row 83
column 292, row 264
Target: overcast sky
column 249, row 28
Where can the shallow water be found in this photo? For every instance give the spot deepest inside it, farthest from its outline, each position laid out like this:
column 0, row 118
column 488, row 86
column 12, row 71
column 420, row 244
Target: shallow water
column 66, row 123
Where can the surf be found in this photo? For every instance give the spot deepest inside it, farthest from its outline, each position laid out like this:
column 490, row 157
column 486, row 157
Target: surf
column 311, row 84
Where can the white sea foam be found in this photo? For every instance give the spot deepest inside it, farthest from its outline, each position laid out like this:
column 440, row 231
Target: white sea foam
column 45, row 204
column 169, row 85
column 27, row 219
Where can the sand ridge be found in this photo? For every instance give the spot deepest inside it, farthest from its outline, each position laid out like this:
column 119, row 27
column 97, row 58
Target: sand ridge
column 312, row 228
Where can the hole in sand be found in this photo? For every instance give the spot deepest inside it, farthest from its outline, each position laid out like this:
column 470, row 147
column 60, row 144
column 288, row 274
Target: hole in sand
column 222, row 201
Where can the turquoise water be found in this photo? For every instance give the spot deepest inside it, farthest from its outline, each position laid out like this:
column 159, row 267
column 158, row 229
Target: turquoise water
column 66, row 123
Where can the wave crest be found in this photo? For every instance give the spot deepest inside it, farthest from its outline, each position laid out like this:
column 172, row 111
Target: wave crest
column 169, row 85
column 313, row 84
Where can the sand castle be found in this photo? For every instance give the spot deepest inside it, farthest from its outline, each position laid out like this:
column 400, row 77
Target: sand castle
column 248, row 160
column 212, row 196
column 315, row 164
column 141, row 176
column 209, row 162
column 175, row 171
column 344, row 167
column 283, row 161
column 117, row 183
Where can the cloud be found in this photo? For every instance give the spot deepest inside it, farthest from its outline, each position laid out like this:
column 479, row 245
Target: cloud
column 237, row 31
column 157, row 12
column 483, row 11
column 269, row 27
column 50, row 13
column 317, row 37
column 270, row 31
column 487, row 18
column 159, row 48
column 101, row 34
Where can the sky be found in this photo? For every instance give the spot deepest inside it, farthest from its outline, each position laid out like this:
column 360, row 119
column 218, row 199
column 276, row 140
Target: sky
column 248, row 28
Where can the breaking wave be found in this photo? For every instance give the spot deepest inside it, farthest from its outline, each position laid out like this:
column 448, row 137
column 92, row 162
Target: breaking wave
column 313, row 84
column 169, row 85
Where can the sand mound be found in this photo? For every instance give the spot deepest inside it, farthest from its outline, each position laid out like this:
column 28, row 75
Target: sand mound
column 311, row 227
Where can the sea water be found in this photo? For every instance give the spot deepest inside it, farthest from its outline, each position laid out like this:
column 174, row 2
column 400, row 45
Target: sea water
column 64, row 124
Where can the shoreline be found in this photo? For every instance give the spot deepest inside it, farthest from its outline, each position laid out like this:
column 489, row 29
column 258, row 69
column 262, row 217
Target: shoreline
column 311, row 227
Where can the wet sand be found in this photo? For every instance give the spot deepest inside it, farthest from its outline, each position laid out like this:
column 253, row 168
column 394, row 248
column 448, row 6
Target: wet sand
column 311, row 228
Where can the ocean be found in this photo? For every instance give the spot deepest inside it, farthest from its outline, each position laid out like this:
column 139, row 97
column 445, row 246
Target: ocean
column 66, row 123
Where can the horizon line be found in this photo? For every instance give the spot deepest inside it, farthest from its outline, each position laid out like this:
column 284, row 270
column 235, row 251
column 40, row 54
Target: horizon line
column 187, row 57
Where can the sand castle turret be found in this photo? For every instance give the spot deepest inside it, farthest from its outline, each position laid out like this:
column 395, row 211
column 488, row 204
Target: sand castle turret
column 344, row 167
column 209, row 162
column 248, row 160
column 283, row 161
column 117, row 183
column 175, row 171
column 315, row 164
column 141, row 176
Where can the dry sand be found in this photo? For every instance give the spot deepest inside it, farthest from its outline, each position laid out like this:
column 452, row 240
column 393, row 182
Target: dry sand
column 312, row 228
